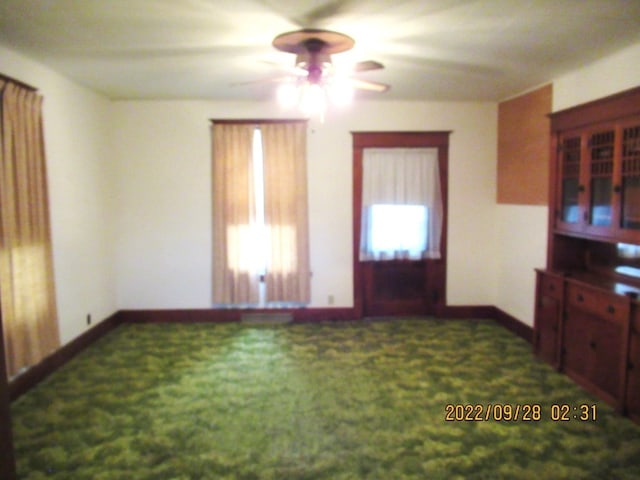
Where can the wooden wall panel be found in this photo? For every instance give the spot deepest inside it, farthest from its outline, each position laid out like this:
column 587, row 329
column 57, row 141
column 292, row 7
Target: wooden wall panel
column 523, row 148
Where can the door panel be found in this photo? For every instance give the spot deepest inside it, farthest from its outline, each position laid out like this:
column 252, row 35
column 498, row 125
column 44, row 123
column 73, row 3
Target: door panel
column 548, row 321
column 606, row 342
column 577, row 333
column 395, row 288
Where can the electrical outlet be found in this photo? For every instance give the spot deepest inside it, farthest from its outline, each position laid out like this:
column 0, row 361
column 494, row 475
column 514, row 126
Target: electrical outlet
column 330, row 300
column 88, row 319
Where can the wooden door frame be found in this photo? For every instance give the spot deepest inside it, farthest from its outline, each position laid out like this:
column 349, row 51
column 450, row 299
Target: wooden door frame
column 367, row 139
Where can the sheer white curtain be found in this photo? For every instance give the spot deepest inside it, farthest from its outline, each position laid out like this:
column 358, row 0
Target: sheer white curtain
column 401, row 202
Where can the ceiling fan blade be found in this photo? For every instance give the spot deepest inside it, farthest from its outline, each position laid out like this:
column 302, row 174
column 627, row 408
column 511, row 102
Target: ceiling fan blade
column 367, row 85
column 367, row 65
column 286, row 78
column 298, row 13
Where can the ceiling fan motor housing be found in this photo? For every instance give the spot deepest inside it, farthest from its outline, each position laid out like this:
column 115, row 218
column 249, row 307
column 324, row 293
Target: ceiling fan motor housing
column 313, row 49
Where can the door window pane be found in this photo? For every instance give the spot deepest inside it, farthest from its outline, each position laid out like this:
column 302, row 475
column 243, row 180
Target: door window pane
column 570, row 200
column 570, row 179
column 601, row 201
column 631, row 178
column 398, row 230
column 601, row 162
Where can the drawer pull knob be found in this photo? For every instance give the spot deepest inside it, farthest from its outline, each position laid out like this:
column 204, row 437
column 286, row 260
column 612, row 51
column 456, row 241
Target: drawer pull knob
column 611, row 309
column 552, row 288
column 592, row 345
column 580, row 298
column 630, row 366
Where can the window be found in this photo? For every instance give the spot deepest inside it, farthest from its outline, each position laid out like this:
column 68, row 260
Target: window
column 401, row 204
column 261, row 241
column 398, row 228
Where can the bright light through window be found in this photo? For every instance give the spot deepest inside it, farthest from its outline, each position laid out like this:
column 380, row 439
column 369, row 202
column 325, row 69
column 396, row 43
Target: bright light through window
column 630, row 253
column 398, row 228
column 627, row 250
column 259, row 263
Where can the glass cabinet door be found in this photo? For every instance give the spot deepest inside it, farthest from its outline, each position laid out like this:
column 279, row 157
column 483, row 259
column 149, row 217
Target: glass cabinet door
column 630, row 208
column 601, row 146
column 570, row 179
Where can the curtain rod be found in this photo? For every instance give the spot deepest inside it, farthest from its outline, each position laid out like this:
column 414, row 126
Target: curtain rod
column 233, row 121
column 17, row 82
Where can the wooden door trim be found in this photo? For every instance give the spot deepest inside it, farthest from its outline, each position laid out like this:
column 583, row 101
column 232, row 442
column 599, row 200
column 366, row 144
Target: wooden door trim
column 406, row 139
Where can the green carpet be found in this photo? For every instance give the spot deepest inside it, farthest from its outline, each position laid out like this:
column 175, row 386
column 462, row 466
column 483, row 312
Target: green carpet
column 362, row 400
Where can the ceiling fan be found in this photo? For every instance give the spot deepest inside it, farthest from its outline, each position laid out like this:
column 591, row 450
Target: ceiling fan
column 314, row 79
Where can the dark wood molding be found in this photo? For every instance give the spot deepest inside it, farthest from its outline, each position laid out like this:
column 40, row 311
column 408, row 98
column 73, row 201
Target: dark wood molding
column 251, row 121
column 458, row 312
column 608, row 108
column 27, row 380
column 490, row 312
column 411, row 139
column 223, row 315
column 7, row 456
column 204, row 315
column 325, row 314
column 514, row 325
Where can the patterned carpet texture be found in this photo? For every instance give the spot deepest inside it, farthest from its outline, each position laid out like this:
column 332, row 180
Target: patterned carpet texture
column 352, row 400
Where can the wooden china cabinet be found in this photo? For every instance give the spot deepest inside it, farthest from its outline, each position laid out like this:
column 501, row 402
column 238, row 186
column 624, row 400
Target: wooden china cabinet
column 587, row 319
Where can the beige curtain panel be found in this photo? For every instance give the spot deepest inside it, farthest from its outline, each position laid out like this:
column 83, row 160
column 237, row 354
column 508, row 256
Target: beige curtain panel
column 27, row 293
column 285, row 194
column 234, row 279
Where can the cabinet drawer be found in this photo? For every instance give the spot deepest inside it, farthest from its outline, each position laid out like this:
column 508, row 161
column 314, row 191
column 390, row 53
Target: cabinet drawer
column 605, row 305
column 551, row 286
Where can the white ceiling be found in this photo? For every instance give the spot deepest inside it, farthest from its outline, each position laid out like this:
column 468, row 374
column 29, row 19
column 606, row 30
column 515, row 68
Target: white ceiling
column 431, row 49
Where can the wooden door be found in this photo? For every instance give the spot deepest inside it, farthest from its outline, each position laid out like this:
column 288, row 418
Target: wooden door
column 398, row 287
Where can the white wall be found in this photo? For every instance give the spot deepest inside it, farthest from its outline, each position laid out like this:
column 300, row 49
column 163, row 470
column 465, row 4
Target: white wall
column 523, row 229
column 615, row 73
column 522, row 233
column 77, row 145
column 164, row 201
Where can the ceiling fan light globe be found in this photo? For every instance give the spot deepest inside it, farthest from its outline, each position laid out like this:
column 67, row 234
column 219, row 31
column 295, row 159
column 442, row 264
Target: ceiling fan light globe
column 287, row 95
column 312, row 99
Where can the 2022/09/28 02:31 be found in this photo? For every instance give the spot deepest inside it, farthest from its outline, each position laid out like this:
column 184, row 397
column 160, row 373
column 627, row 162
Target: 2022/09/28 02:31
column 525, row 412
